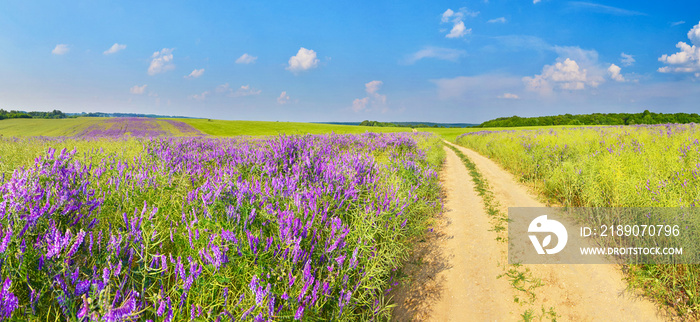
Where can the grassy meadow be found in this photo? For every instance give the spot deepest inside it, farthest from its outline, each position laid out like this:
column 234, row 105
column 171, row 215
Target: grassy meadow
column 615, row 166
column 46, row 127
column 233, row 128
column 451, row 134
column 72, row 127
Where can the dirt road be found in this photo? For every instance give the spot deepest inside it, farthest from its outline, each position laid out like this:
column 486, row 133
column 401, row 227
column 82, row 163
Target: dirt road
column 457, row 279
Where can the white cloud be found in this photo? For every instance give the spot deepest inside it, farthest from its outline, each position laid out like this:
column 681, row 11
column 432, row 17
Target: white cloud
column 694, row 35
column 498, row 20
column 305, row 59
column 584, row 57
column 599, row 8
column 458, row 30
column 246, row 59
column 244, row 90
column 196, row 73
column 225, row 89
column 676, row 23
column 614, row 72
column 456, row 18
column 509, row 96
column 283, row 99
column 115, row 48
column 60, row 49
column 687, row 60
column 464, row 12
column 566, row 75
column 627, row 60
column 373, row 86
column 162, row 61
column 435, row 52
column 373, row 98
column 575, row 69
column 138, row 89
column 535, row 1
column 200, row 97
column 446, row 15
column 360, row 104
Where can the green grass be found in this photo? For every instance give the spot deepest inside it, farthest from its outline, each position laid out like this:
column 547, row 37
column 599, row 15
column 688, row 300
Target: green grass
column 24, row 152
column 234, row 128
column 46, row 127
column 451, row 134
column 72, row 127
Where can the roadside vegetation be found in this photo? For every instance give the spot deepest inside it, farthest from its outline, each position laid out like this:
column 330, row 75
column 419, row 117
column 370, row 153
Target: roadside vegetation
column 618, row 166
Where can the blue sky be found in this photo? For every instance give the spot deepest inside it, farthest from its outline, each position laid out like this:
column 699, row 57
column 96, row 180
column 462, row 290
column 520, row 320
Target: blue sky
column 440, row 61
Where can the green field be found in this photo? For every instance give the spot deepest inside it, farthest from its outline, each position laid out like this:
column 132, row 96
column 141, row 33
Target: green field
column 234, row 128
column 74, row 126
column 46, row 127
column 451, row 134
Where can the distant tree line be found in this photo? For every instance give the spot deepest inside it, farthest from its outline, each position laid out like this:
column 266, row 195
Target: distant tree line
column 377, row 124
column 55, row 114
column 594, row 119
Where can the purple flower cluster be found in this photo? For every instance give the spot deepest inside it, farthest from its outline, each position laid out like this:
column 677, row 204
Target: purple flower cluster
column 290, row 226
column 138, row 127
column 8, row 301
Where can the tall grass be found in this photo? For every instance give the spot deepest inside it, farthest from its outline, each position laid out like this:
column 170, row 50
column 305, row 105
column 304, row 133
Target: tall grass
column 632, row 166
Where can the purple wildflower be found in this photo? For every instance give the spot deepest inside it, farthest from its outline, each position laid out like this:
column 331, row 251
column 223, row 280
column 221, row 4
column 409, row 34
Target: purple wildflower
column 122, row 312
column 299, row 313
column 8, row 301
column 161, row 308
column 169, row 316
column 6, row 239
column 82, row 288
column 246, row 313
column 78, row 241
